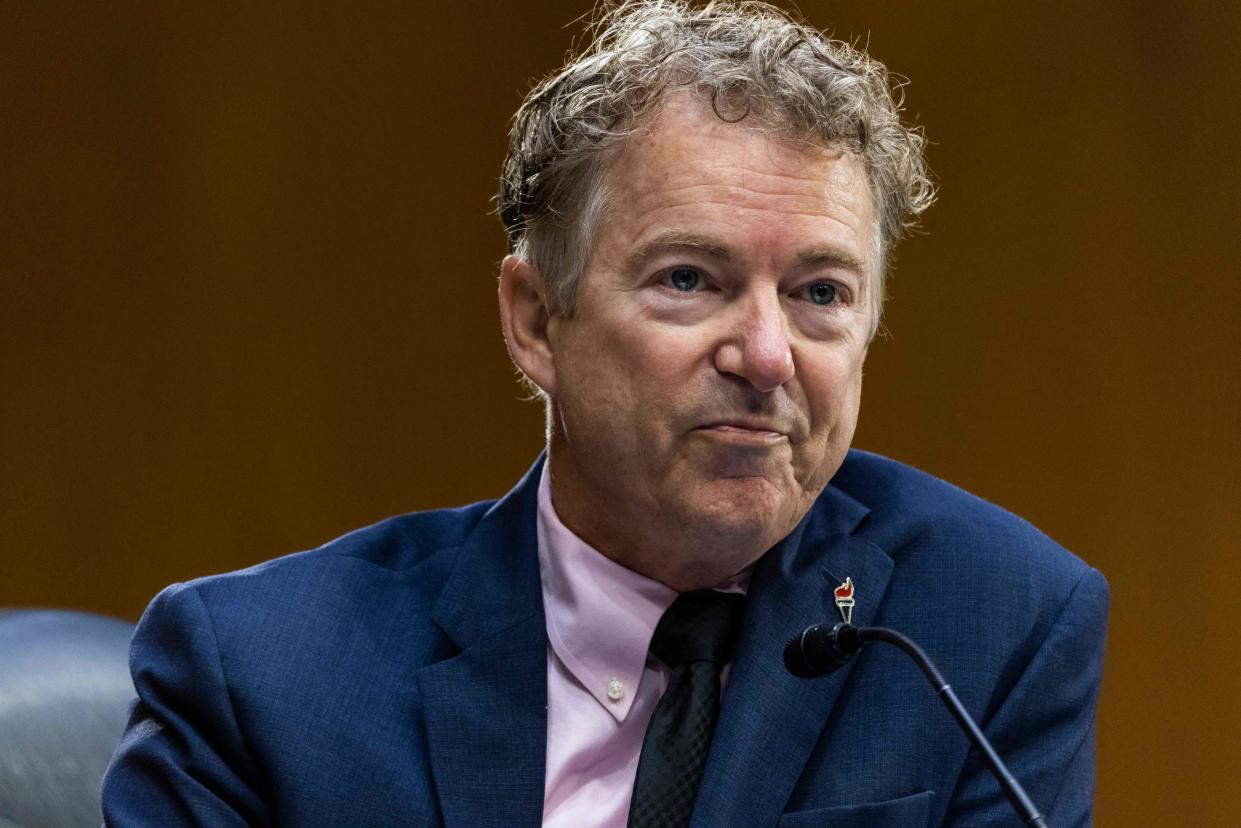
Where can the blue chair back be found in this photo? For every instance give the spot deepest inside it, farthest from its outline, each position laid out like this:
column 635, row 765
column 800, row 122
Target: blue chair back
column 65, row 693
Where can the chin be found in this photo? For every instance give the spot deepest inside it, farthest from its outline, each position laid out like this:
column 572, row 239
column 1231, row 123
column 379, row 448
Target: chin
column 745, row 510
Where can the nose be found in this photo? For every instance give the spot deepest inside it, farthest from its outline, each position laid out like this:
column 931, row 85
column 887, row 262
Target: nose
column 757, row 347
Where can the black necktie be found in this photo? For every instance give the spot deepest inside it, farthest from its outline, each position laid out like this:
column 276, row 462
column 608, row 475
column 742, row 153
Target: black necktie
column 695, row 638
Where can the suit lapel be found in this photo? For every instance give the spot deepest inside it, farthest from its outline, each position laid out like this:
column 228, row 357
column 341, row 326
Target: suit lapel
column 486, row 708
column 770, row 720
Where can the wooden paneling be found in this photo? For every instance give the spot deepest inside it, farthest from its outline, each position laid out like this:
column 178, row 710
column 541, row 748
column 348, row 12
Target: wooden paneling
column 247, row 304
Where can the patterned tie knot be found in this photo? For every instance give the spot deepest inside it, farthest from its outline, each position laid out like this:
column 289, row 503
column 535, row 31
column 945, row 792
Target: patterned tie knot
column 699, row 626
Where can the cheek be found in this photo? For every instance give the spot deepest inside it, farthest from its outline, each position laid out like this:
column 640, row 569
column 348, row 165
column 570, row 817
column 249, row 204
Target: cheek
column 834, row 396
column 835, row 390
column 654, row 366
column 609, row 385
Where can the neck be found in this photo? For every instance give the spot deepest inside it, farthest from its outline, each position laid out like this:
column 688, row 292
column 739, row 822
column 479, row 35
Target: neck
column 642, row 536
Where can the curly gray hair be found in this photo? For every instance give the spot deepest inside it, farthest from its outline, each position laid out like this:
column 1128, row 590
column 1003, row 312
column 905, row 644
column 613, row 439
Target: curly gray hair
column 746, row 58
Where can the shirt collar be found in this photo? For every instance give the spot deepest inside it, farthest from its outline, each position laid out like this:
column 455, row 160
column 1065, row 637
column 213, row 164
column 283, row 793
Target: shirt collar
column 600, row 615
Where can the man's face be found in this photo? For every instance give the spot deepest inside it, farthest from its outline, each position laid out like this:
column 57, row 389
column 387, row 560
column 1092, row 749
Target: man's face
column 707, row 387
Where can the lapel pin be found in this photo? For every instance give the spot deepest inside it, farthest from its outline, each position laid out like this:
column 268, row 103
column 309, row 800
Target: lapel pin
column 844, row 600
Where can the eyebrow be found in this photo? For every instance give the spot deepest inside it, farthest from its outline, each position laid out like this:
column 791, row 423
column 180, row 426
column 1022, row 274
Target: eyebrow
column 674, row 240
column 833, row 258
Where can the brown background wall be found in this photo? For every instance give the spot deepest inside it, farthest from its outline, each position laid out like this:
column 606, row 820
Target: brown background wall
column 248, row 304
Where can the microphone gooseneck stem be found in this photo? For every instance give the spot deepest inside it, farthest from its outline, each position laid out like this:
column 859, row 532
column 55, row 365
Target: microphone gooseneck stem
column 1012, row 788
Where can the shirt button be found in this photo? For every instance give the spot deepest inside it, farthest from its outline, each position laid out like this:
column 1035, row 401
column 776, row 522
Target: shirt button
column 616, row 690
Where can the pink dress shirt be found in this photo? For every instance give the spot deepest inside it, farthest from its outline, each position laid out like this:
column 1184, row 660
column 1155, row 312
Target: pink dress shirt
column 601, row 685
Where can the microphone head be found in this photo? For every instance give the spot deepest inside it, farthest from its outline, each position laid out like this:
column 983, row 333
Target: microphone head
column 819, row 650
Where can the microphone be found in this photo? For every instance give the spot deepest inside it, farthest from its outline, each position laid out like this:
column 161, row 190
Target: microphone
column 819, row 650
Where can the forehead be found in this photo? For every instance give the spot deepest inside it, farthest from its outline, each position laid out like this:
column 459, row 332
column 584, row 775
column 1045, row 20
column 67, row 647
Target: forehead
column 687, row 166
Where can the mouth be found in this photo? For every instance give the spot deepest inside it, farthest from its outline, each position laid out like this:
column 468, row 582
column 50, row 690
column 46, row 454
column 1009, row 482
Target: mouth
column 745, row 433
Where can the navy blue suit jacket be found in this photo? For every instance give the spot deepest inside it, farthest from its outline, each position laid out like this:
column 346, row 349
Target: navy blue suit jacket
column 397, row 675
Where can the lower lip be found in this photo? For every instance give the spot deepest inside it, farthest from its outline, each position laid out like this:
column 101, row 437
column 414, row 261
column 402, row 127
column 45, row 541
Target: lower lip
column 746, row 436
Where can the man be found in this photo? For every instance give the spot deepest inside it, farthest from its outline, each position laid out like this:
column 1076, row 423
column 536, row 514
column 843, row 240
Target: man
column 700, row 208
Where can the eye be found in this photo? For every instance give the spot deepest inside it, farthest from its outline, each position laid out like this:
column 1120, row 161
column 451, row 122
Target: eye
column 822, row 293
column 685, row 279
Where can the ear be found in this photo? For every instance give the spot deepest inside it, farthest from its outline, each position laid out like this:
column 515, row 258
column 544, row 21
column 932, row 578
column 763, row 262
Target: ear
column 524, row 316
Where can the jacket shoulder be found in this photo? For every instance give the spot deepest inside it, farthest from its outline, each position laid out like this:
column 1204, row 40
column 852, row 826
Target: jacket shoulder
column 918, row 518
column 978, row 586
column 396, row 546
column 1014, row 621
column 245, row 676
column 310, row 604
